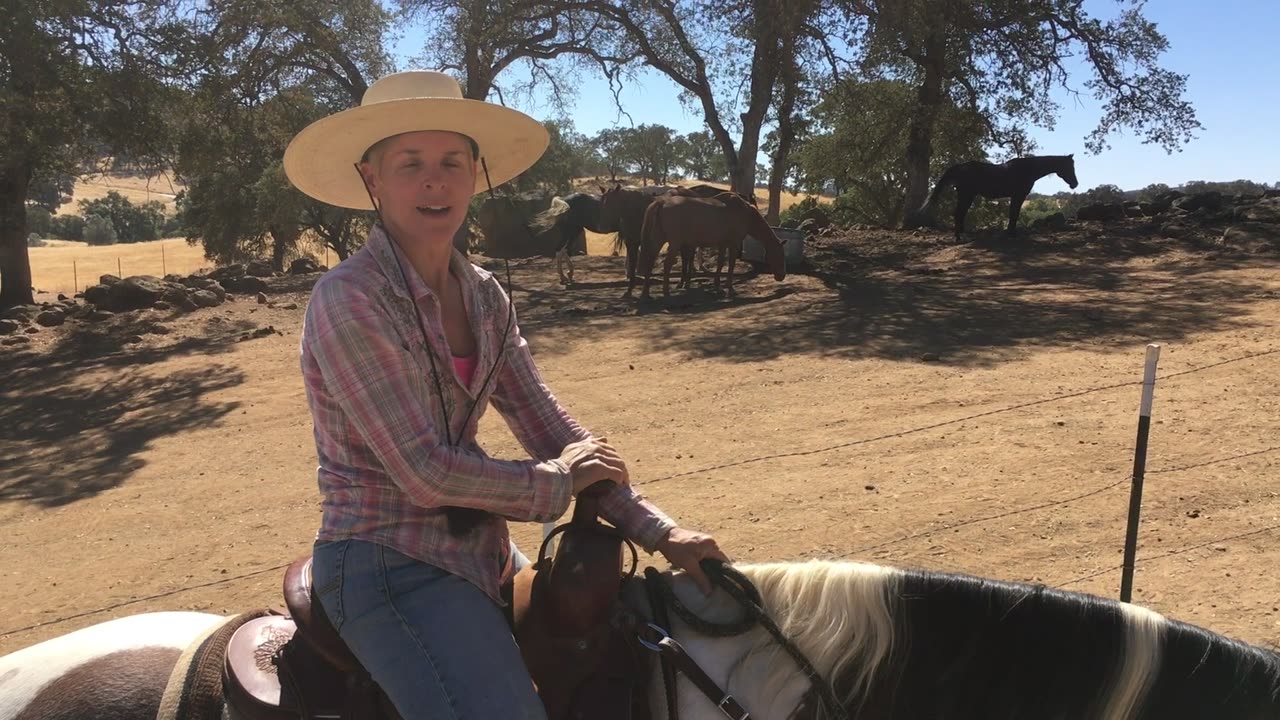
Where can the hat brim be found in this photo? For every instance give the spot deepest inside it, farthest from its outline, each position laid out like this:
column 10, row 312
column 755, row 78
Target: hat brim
column 320, row 160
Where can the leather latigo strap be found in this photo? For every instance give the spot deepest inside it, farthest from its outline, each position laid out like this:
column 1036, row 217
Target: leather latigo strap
column 722, row 700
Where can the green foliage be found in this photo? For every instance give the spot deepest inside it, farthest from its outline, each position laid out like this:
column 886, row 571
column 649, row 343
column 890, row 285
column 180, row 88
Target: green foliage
column 67, row 227
column 859, row 144
column 99, row 230
column 34, row 240
column 39, row 220
column 701, row 157
column 796, row 212
column 132, row 223
column 566, row 158
column 51, row 191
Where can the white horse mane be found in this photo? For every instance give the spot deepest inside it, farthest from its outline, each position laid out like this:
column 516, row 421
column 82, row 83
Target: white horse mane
column 839, row 614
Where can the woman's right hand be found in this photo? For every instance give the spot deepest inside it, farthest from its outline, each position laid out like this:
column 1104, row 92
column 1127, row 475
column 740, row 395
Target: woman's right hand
column 594, row 460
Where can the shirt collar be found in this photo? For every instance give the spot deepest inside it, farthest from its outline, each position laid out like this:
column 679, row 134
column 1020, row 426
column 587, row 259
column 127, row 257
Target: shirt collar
column 386, row 252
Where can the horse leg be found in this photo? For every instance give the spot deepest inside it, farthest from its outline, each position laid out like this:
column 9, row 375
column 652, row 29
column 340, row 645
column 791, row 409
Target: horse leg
column 963, row 201
column 672, row 253
column 720, row 268
column 1015, row 209
column 733, row 258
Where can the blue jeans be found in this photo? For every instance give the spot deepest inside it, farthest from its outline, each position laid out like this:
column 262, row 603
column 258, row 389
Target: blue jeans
column 435, row 644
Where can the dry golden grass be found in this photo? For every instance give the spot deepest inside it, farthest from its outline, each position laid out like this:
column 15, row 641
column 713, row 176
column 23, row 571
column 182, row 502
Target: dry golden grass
column 71, row 267
column 136, row 189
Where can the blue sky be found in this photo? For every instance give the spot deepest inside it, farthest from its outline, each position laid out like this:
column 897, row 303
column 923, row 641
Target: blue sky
column 1228, row 48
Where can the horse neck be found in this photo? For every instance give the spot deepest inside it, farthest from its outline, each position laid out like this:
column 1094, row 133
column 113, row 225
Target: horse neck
column 1047, row 164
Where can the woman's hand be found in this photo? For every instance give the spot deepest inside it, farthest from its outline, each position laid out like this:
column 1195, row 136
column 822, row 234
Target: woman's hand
column 685, row 549
column 594, row 460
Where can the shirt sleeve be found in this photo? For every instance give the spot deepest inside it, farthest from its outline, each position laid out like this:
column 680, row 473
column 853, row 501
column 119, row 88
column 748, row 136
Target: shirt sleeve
column 544, row 429
column 367, row 368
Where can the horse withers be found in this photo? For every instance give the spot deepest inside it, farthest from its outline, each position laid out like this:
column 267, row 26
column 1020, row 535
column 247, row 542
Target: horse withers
column 1013, row 179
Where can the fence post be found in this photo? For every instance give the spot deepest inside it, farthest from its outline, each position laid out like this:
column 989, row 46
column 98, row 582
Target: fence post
column 164, row 270
column 1139, row 469
column 119, row 272
column 75, row 278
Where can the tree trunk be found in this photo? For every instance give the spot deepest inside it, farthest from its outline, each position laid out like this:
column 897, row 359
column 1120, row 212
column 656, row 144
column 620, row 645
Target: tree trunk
column 786, row 135
column 920, row 133
column 765, row 61
column 15, row 263
column 283, row 237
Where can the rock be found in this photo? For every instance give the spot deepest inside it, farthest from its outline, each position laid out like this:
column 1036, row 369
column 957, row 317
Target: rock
column 186, row 304
column 99, row 295
column 15, row 340
column 9, row 327
column 262, row 298
column 1267, row 210
column 259, row 268
column 1252, row 237
column 205, row 299
column 162, row 305
column 32, row 330
column 62, row 298
column 216, row 288
column 175, row 278
column 51, row 318
column 21, row 313
column 930, row 357
column 289, row 306
column 108, row 280
column 227, row 272
column 1056, row 221
column 1133, row 210
column 1101, row 212
column 99, row 315
column 304, row 266
column 1210, row 200
column 230, row 298
column 245, row 284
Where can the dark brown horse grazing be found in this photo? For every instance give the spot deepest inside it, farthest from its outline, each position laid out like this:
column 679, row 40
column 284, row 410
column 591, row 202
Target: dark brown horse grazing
column 1013, row 179
column 683, row 223
column 895, row 644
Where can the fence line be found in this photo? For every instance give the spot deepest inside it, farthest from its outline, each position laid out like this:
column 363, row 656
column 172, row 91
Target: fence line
column 925, row 533
column 956, row 421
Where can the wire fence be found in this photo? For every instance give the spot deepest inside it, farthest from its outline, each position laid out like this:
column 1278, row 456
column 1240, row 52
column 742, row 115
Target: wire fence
column 1162, row 380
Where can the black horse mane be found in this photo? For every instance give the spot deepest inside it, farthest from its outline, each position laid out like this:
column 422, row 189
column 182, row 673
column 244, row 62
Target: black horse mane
column 968, row 647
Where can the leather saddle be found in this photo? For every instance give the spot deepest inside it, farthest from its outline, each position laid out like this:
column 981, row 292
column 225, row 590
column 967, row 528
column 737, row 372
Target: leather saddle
column 575, row 636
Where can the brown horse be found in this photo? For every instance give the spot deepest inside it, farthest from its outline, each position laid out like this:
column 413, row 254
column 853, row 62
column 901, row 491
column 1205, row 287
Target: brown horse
column 622, row 211
column 683, row 223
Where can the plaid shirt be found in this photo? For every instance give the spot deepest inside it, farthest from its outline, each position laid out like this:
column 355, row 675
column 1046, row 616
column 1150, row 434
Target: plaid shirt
column 386, row 470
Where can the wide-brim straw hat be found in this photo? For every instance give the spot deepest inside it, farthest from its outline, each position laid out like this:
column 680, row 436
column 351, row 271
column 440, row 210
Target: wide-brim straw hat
column 320, row 160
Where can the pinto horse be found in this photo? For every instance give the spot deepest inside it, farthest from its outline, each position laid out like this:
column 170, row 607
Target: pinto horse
column 1013, row 179
column 893, row 645
column 569, row 216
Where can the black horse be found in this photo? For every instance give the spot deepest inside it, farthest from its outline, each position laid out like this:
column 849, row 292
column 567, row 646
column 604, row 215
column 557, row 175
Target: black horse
column 1013, row 179
column 569, row 216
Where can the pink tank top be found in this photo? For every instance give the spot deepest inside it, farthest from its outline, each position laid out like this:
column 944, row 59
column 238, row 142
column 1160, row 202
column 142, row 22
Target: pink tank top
column 465, row 367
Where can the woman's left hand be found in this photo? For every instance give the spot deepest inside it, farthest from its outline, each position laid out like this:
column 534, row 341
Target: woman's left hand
column 686, row 548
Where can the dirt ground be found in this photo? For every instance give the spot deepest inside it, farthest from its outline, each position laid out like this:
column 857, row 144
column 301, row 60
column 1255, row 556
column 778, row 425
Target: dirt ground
column 166, row 455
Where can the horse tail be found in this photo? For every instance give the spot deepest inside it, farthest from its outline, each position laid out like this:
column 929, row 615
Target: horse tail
column 947, row 180
column 652, row 236
column 550, row 217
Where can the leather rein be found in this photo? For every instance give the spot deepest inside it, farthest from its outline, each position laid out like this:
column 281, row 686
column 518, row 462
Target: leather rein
column 655, row 637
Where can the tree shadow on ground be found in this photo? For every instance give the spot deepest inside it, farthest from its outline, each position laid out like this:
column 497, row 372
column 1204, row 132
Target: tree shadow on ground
column 905, row 296
column 74, row 420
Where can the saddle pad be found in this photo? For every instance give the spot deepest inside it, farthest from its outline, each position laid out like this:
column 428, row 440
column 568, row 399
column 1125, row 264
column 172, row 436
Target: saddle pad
column 194, row 690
